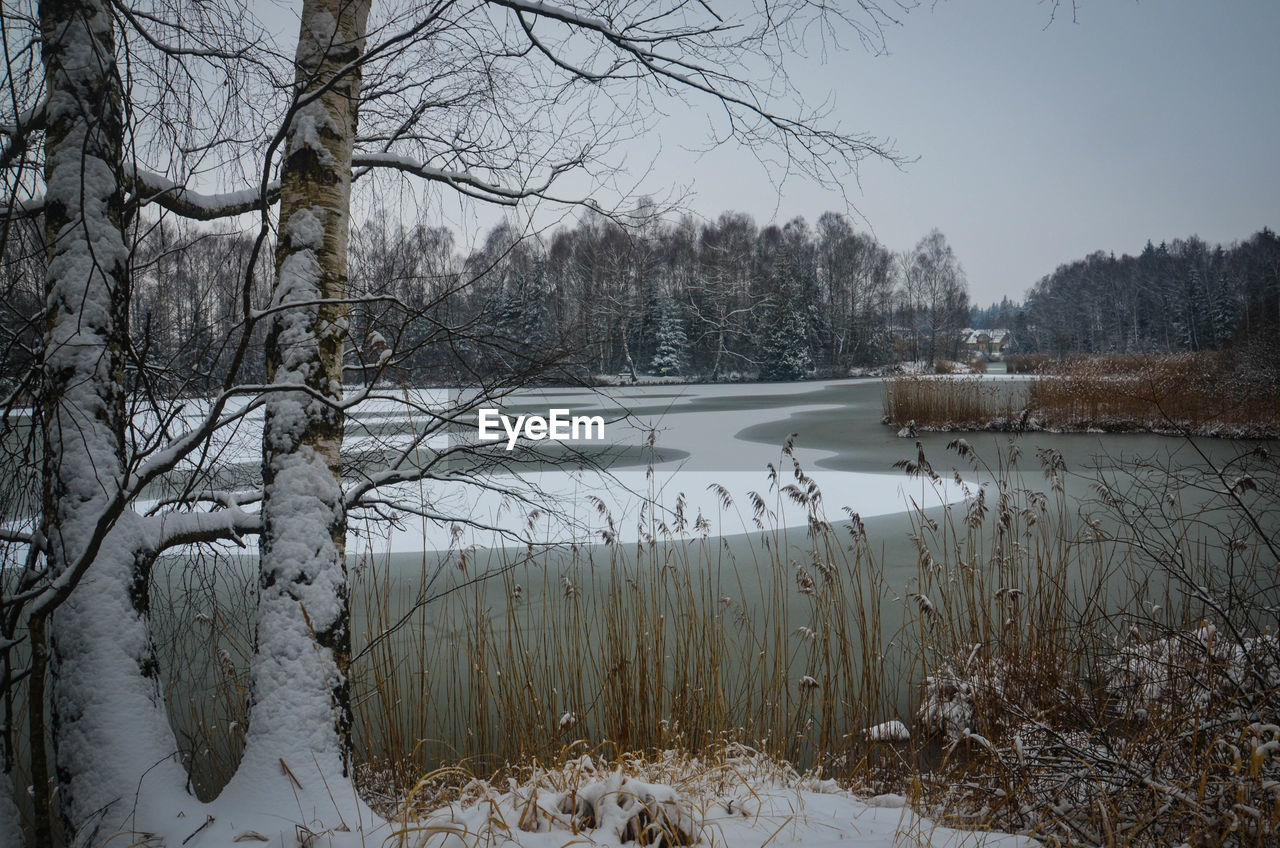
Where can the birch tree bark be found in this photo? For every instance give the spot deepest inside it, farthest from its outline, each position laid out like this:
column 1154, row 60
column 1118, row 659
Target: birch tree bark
column 108, row 720
column 300, row 713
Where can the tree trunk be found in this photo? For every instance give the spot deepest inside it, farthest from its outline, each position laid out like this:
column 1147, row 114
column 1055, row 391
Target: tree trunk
column 300, row 715
column 626, row 353
column 10, row 818
column 41, row 806
column 107, row 717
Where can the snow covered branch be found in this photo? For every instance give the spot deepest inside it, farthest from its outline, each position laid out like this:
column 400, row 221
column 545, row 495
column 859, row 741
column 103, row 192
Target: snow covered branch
column 24, row 124
column 180, row 200
column 192, row 527
column 26, row 121
column 15, row 536
column 166, row 459
column 152, row 188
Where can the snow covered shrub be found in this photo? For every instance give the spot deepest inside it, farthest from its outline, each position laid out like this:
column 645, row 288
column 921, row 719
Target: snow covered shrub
column 1078, row 739
column 1187, row 672
column 613, row 806
column 970, row 696
column 583, row 799
column 1176, row 782
column 947, row 704
column 1188, row 751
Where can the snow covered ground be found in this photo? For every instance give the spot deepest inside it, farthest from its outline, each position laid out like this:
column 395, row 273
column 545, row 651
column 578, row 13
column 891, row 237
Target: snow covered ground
column 817, row 819
column 744, row 802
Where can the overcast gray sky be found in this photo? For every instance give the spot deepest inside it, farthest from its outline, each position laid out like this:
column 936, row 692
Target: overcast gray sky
column 1035, row 144
column 1040, row 144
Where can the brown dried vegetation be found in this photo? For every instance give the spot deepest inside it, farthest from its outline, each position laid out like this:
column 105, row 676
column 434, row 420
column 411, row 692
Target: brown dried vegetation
column 1212, row 394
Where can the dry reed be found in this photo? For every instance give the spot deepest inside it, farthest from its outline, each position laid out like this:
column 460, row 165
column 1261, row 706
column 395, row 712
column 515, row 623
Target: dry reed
column 1192, row 393
column 1004, row 663
column 1202, row 394
column 933, row 402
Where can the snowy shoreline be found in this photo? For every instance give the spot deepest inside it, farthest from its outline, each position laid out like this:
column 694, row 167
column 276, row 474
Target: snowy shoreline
column 743, row 799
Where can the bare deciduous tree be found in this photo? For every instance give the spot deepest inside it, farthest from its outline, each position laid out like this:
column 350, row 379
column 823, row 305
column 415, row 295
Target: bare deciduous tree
column 139, row 107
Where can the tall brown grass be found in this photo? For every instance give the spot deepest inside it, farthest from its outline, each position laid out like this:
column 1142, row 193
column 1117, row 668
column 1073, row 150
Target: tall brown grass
column 1191, row 392
column 1188, row 393
column 673, row 641
column 951, row 402
column 1003, row 653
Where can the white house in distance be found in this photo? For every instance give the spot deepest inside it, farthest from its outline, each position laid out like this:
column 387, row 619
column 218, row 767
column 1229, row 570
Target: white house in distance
column 992, row 344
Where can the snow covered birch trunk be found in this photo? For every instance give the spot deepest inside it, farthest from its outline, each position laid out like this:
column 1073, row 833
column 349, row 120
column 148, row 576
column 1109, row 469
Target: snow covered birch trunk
column 297, row 744
column 107, row 717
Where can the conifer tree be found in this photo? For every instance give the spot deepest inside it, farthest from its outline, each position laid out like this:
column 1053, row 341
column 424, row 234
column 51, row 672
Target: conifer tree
column 670, row 356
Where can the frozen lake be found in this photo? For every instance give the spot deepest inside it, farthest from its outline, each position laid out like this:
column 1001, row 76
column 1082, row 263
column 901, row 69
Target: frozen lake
column 684, row 459
column 709, row 441
column 682, row 449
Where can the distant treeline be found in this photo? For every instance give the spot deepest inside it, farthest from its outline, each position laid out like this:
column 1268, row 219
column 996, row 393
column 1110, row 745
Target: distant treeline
column 1184, row 295
column 635, row 295
column 722, row 299
column 642, row 295
column 639, row 295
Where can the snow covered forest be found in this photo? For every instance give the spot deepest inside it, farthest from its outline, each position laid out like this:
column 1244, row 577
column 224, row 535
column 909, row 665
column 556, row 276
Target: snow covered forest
column 1183, row 295
column 642, row 294
column 605, row 296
